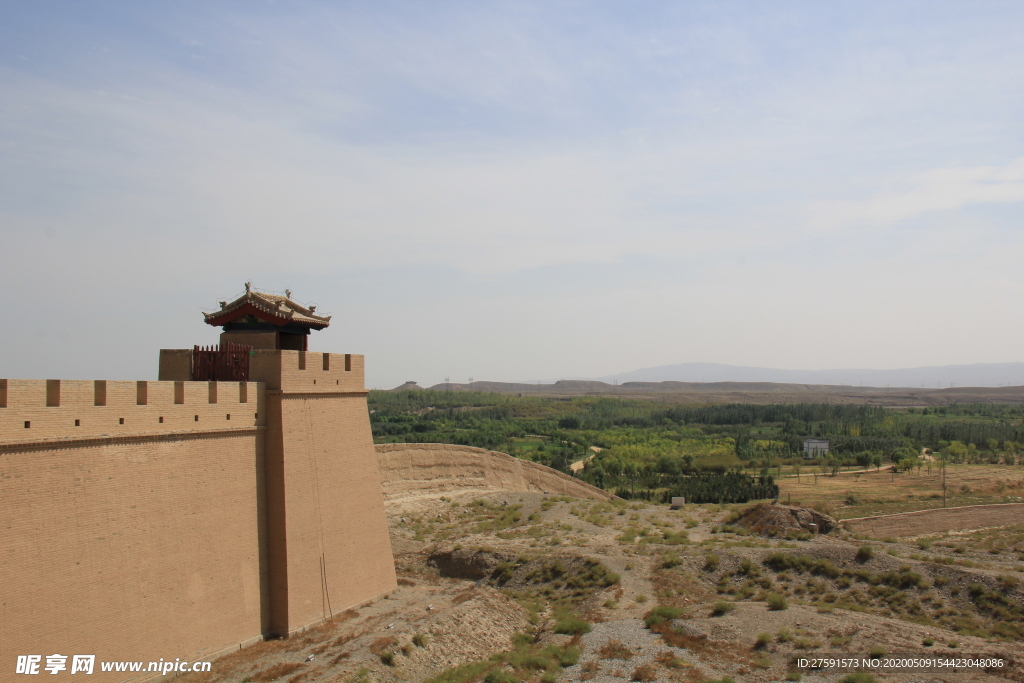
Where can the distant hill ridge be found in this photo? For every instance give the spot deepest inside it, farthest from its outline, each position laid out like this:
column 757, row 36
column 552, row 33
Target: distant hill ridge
column 980, row 382
column 928, row 377
column 577, row 386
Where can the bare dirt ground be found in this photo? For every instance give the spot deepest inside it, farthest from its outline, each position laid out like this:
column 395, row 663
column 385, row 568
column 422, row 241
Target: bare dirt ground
column 925, row 522
column 543, row 561
column 868, row 493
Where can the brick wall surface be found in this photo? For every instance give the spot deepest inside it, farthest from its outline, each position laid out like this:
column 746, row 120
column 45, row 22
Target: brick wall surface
column 136, row 550
column 331, row 512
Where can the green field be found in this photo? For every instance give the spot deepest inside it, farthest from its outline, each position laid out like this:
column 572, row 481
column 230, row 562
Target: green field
column 644, row 448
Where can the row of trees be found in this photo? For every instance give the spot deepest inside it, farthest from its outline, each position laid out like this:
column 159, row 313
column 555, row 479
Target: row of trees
column 645, row 440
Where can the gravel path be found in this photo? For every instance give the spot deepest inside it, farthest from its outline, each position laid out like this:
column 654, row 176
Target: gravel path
column 632, row 634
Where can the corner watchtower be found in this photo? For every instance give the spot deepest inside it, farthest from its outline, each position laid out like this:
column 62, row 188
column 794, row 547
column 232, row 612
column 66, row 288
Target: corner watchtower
column 266, row 321
column 324, row 535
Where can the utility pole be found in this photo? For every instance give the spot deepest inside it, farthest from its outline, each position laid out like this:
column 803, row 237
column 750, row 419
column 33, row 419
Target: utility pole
column 943, row 482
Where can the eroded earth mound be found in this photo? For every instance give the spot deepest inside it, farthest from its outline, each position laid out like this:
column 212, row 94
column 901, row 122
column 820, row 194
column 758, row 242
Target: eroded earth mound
column 772, row 519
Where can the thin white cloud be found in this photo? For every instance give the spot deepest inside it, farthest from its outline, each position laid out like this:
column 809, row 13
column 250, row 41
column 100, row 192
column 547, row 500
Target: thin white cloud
column 936, row 190
column 651, row 181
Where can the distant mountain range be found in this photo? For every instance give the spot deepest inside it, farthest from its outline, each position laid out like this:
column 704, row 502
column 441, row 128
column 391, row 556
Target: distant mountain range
column 937, row 376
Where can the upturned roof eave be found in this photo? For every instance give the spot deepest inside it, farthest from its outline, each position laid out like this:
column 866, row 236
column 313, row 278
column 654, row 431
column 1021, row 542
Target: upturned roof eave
column 267, row 307
column 224, row 317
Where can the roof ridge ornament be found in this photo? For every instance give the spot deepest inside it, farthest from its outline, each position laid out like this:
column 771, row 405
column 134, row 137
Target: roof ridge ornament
column 270, row 308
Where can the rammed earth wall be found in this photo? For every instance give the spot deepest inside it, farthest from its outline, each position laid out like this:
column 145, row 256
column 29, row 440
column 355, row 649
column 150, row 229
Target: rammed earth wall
column 178, row 519
column 408, row 469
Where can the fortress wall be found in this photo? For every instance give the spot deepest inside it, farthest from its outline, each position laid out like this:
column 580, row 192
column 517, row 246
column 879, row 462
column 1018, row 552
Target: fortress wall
column 38, row 410
column 408, row 469
column 167, row 519
column 338, row 552
column 137, row 547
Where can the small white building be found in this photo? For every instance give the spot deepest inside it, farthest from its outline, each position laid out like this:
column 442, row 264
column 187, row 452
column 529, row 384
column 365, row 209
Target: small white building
column 814, row 448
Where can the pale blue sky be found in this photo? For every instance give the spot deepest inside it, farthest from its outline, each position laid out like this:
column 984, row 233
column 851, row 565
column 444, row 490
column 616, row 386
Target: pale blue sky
column 515, row 190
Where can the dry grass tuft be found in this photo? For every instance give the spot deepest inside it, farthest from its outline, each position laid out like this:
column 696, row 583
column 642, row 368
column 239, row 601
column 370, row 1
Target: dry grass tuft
column 644, row 673
column 275, row 672
column 378, row 646
column 614, row 649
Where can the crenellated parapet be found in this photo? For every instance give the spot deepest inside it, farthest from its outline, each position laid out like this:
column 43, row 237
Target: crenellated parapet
column 290, row 372
column 308, row 372
column 54, row 409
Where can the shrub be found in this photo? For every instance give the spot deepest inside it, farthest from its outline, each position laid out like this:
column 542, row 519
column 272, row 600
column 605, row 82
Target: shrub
column 901, row 579
column 711, row 562
column 388, row 657
column 572, row 625
column 928, row 642
column 566, row 656
column 500, row 676
column 661, row 614
column 669, row 561
column 762, row 641
column 865, row 553
column 777, row 601
column 877, row 651
column 722, row 608
column 421, row 640
column 795, row 676
column 784, row 635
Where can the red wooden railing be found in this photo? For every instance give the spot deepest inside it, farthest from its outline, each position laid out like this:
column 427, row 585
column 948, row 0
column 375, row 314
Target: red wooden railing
column 227, row 363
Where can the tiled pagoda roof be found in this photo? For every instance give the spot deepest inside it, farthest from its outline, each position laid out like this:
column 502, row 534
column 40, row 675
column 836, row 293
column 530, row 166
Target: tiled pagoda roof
column 272, row 308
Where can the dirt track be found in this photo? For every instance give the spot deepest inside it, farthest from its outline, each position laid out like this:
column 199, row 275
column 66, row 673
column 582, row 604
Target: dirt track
column 909, row 524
